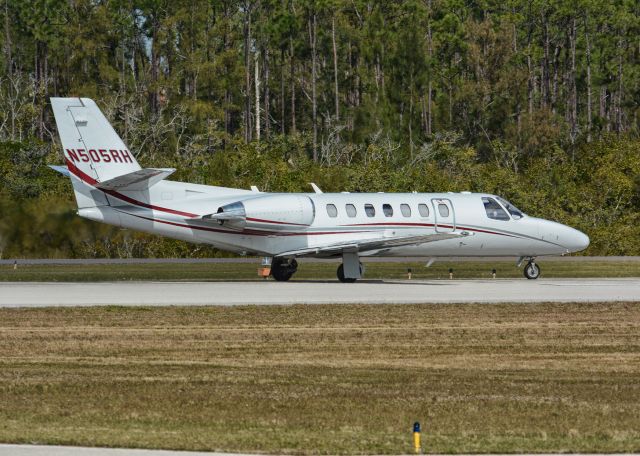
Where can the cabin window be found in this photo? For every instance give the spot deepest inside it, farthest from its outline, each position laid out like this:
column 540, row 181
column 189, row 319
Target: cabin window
column 351, row 210
column 494, row 210
column 387, row 210
column 406, row 210
column 443, row 209
column 369, row 210
column 332, row 211
column 424, row 210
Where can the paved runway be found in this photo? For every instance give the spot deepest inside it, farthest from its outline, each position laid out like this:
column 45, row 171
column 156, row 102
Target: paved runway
column 19, row 294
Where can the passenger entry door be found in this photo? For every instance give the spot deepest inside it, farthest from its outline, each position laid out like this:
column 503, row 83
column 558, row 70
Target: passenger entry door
column 444, row 215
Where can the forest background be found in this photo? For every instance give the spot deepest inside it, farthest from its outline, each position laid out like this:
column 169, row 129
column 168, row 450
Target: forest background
column 535, row 100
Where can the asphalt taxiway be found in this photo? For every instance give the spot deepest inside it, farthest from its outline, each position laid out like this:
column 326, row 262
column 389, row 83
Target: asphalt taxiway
column 40, row 294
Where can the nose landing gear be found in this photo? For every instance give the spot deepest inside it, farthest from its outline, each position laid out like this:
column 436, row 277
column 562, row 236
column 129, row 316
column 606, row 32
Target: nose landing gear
column 532, row 270
column 282, row 269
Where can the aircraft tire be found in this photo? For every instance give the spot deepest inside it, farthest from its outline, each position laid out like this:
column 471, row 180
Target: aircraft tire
column 282, row 271
column 281, row 275
column 341, row 277
column 532, row 271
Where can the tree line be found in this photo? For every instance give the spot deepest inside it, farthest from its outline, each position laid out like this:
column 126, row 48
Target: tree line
column 509, row 71
column 516, row 95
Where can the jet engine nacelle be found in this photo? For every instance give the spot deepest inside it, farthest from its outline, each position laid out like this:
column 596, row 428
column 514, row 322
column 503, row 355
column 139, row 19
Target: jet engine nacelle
column 270, row 212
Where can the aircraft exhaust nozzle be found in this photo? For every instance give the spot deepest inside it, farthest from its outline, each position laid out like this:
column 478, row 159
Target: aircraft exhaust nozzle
column 231, row 211
column 231, row 215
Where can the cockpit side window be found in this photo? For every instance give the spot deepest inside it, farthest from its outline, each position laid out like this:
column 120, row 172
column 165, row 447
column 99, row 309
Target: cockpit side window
column 514, row 211
column 494, row 210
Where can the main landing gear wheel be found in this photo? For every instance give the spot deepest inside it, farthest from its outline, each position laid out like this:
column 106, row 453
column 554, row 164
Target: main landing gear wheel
column 532, row 270
column 342, row 278
column 282, row 270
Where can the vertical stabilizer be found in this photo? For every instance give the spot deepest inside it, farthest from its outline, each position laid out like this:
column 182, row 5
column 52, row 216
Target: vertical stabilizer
column 93, row 151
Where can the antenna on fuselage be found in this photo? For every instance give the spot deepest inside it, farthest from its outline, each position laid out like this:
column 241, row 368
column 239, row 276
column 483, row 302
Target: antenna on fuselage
column 315, row 187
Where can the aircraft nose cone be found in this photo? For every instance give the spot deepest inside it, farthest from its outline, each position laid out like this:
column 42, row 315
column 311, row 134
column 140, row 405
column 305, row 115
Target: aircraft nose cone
column 576, row 240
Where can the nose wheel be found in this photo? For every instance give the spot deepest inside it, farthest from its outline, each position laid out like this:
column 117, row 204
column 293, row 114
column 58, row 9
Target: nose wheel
column 532, row 270
column 283, row 269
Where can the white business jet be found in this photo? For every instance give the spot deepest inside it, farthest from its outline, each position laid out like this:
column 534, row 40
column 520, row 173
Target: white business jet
column 111, row 187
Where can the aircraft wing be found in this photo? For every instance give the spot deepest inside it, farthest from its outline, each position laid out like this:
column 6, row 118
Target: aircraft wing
column 366, row 245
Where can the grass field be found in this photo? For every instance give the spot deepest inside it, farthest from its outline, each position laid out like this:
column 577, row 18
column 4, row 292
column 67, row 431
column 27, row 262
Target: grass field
column 325, row 379
column 311, row 270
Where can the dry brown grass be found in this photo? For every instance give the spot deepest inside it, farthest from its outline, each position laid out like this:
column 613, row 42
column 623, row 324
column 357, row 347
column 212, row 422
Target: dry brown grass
column 325, row 379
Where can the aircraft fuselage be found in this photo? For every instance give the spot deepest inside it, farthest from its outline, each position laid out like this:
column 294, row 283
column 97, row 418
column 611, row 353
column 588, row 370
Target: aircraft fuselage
column 291, row 222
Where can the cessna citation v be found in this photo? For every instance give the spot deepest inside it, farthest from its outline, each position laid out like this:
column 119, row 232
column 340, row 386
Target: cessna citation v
column 111, row 187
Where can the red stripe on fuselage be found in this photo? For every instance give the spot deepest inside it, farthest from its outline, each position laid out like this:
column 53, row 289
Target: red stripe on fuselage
column 80, row 174
column 253, row 219
column 245, row 232
column 391, row 224
column 430, row 225
column 477, row 230
column 91, row 181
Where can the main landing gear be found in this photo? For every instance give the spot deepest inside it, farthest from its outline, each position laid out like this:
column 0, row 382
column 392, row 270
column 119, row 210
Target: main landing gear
column 532, row 270
column 343, row 279
column 282, row 268
column 351, row 268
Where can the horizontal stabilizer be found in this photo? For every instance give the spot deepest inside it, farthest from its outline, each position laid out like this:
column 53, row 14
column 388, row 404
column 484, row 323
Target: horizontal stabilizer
column 138, row 180
column 61, row 169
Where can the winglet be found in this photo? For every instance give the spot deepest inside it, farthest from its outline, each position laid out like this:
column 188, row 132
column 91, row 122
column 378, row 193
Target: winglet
column 315, row 187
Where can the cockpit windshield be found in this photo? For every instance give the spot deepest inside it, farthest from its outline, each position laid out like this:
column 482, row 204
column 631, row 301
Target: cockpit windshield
column 514, row 211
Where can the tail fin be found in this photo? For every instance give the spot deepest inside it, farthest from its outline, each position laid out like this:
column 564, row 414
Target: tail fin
column 93, row 151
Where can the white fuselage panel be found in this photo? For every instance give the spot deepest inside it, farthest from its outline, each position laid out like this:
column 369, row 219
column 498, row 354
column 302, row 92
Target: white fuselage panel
column 280, row 223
